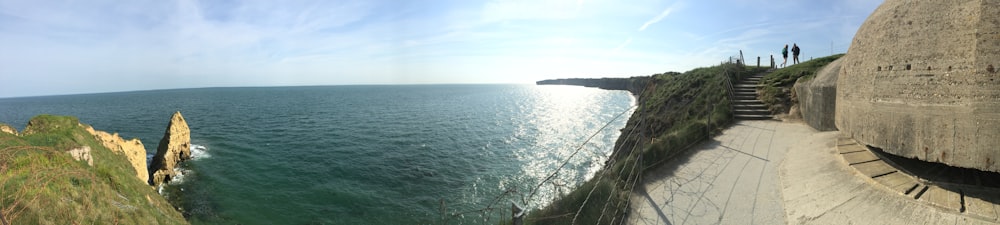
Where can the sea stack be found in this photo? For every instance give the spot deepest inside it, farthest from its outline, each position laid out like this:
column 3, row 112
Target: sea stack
column 922, row 80
column 174, row 148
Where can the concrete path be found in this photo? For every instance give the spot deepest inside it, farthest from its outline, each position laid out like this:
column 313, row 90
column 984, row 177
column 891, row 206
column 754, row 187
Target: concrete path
column 820, row 188
column 732, row 179
column 770, row 172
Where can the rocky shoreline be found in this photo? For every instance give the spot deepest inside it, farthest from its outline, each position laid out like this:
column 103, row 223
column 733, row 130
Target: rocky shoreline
column 100, row 185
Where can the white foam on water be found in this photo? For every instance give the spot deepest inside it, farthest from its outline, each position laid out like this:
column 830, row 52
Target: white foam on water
column 199, row 152
column 179, row 177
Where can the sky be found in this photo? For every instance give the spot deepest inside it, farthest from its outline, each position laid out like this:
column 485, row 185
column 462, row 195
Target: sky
column 55, row 47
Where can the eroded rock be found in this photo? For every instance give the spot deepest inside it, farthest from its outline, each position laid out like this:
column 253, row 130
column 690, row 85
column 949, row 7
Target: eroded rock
column 4, row 128
column 174, row 148
column 132, row 149
column 82, row 154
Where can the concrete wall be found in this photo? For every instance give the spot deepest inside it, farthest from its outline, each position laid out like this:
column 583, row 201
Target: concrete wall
column 920, row 80
column 818, row 97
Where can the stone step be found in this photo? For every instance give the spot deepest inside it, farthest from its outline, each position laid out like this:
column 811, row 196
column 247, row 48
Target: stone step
column 745, row 89
column 752, row 98
column 751, row 112
column 750, row 106
column 747, row 86
column 751, row 101
column 753, row 117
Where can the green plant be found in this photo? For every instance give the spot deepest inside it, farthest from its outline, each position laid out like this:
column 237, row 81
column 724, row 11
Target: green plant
column 676, row 111
column 42, row 184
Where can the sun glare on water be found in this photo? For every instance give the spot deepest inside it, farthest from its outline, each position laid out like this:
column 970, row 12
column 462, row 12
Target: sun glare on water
column 563, row 117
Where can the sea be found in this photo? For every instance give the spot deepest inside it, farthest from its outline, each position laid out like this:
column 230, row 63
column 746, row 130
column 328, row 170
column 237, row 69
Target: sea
column 359, row 154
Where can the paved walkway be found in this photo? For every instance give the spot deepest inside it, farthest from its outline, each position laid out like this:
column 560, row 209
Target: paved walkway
column 732, row 179
column 770, row 172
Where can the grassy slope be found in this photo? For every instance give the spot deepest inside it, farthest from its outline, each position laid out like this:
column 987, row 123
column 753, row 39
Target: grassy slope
column 675, row 111
column 41, row 184
column 776, row 89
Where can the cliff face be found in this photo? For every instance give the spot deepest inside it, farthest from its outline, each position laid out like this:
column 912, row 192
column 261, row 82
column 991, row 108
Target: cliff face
column 174, row 148
column 920, row 81
column 632, row 84
column 132, row 149
column 58, row 172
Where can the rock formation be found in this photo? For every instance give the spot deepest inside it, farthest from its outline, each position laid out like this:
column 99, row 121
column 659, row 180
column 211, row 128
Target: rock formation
column 174, row 148
column 82, row 153
column 921, row 80
column 132, row 149
column 818, row 97
column 4, row 128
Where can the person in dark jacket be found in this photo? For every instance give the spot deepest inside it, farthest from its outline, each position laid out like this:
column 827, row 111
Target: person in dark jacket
column 795, row 53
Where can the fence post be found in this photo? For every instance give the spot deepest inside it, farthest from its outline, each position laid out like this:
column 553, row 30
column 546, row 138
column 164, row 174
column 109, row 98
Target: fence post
column 772, row 61
column 758, row 61
column 741, row 58
column 517, row 214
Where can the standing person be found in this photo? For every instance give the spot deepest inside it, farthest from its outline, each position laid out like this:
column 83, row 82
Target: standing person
column 795, row 53
column 784, row 55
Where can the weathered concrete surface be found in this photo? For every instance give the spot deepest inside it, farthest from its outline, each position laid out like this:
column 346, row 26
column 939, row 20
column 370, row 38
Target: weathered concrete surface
column 818, row 97
column 732, row 179
column 921, row 80
column 770, row 172
column 817, row 188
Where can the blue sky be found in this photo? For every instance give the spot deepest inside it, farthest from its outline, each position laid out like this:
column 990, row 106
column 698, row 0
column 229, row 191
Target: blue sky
column 68, row 47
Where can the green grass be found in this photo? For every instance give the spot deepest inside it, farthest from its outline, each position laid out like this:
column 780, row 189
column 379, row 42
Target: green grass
column 776, row 86
column 676, row 111
column 42, row 184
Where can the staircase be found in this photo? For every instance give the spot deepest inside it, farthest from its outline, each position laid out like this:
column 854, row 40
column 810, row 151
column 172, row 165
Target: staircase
column 746, row 106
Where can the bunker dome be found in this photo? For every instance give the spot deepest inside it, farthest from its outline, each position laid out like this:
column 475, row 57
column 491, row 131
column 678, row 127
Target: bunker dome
column 921, row 80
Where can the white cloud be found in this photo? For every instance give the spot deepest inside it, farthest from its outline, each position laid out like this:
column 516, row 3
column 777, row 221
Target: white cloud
column 658, row 18
column 622, row 45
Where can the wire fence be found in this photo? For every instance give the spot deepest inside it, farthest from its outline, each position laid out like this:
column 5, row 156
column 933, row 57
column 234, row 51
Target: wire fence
column 625, row 179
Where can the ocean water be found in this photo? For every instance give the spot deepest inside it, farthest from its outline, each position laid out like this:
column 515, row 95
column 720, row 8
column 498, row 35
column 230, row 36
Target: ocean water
column 408, row 154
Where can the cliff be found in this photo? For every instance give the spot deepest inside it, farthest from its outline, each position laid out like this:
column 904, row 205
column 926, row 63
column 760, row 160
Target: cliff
column 133, row 149
column 174, row 148
column 632, row 84
column 674, row 111
column 58, row 172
